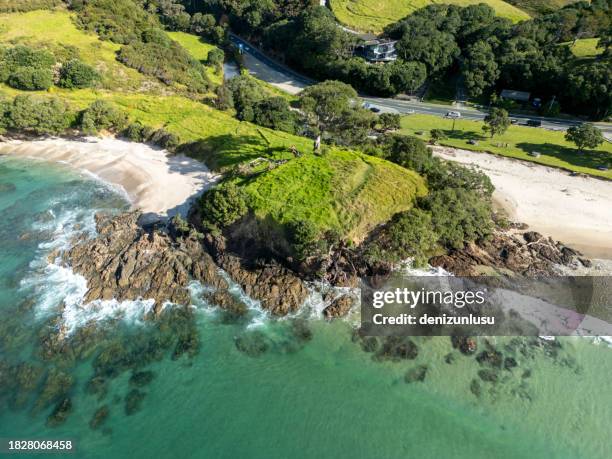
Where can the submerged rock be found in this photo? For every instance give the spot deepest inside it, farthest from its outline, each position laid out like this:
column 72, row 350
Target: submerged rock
column 99, row 417
column 141, row 378
column 133, row 401
column 416, row 374
column 465, row 344
column 397, row 348
column 60, row 413
column 253, row 344
column 55, row 387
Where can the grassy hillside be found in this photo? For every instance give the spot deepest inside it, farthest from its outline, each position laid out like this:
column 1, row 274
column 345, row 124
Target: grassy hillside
column 585, row 48
column 9, row 6
column 516, row 142
column 199, row 50
column 55, row 30
column 342, row 190
column 374, row 15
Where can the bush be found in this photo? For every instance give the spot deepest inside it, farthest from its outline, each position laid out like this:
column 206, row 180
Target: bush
column 389, row 121
column 408, row 152
column 245, row 94
column 275, row 113
column 222, row 206
column 165, row 139
column 458, row 216
column 409, row 234
column 224, row 99
column 38, row 115
column 101, row 115
column 215, row 57
column 137, row 132
column 24, row 56
column 446, row 174
column 166, row 60
column 31, row 79
column 306, row 239
column 77, row 74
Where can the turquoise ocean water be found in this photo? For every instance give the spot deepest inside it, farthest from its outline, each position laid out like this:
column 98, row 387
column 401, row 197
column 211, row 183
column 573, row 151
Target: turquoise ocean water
column 260, row 388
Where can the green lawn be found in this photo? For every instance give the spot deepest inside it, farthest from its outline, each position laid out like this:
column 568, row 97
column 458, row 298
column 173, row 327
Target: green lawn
column 585, row 48
column 56, row 31
column 199, row 49
column 374, row 15
column 516, row 143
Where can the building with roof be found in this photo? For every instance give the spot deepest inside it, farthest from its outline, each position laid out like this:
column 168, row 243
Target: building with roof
column 377, row 50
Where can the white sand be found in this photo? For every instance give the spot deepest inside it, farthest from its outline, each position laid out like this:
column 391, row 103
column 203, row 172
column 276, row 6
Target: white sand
column 574, row 210
column 156, row 182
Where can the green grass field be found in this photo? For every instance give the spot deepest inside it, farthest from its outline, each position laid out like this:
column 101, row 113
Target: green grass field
column 585, row 48
column 56, row 31
column 199, row 50
column 374, row 15
column 516, row 142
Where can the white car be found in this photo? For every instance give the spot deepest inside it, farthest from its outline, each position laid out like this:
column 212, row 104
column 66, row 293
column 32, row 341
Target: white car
column 409, row 111
column 453, row 114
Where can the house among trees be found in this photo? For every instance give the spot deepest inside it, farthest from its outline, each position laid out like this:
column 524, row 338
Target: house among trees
column 519, row 96
column 377, row 50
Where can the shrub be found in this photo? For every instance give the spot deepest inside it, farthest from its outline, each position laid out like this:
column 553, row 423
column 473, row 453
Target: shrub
column 222, row 206
column 31, row 79
column 446, row 174
column 24, row 56
column 101, row 115
column 215, row 57
column 38, row 115
column 389, row 121
column 77, row 74
column 137, row 132
column 165, row 139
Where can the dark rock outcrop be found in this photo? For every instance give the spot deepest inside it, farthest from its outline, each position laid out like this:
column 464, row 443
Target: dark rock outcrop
column 278, row 289
column 339, row 307
column 529, row 254
column 127, row 262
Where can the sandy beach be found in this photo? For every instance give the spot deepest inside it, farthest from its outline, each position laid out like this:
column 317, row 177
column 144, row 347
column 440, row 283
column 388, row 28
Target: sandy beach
column 156, row 182
column 574, row 210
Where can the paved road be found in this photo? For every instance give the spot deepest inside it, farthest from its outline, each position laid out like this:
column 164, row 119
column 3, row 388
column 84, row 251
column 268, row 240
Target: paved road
column 267, row 69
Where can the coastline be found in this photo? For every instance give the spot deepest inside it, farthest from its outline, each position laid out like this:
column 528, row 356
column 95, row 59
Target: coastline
column 575, row 210
column 156, row 182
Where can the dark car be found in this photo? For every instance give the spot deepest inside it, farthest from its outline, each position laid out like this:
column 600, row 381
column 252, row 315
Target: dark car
column 534, row 123
column 602, row 168
column 374, row 109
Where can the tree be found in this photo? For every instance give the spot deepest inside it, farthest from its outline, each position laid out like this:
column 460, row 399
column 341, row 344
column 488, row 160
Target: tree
column 584, row 136
column 326, row 103
column 458, row 215
column 38, row 115
column 245, row 94
column 437, row 50
column 409, row 234
column 480, row 70
column 275, row 113
column 77, row 74
column 221, row 206
column 496, row 122
column 407, row 76
column 436, row 135
column 389, row 121
column 215, row 57
column 101, row 115
column 409, row 152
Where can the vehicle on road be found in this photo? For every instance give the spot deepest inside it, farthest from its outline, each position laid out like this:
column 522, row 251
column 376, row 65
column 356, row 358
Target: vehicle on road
column 409, row 111
column 602, row 168
column 472, row 142
column 513, row 121
column 534, row 123
column 374, row 109
column 453, row 114
column 535, row 154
